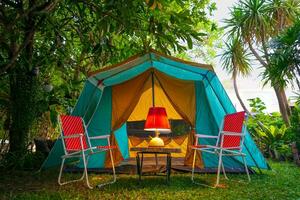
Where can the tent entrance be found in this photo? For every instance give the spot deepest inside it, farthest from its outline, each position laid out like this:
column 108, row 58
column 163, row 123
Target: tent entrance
column 180, row 128
column 137, row 137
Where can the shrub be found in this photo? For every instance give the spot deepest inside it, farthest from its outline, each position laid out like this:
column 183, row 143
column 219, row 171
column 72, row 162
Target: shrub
column 28, row 161
column 294, row 129
column 272, row 136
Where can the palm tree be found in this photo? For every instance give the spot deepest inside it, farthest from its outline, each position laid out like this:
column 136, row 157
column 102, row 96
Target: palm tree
column 285, row 58
column 256, row 22
column 235, row 60
column 283, row 13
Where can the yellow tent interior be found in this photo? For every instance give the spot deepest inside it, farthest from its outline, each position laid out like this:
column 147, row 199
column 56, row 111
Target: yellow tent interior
column 166, row 90
column 140, row 113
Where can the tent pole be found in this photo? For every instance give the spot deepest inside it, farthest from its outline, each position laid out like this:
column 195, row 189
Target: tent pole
column 89, row 105
column 153, row 94
column 95, row 109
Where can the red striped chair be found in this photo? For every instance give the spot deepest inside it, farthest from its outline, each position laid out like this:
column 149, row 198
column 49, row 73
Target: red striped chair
column 77, row 143
column 229, row 142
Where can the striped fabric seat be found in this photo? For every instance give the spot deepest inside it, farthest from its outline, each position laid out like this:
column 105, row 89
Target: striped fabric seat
column 73, row 125
column 233, row 123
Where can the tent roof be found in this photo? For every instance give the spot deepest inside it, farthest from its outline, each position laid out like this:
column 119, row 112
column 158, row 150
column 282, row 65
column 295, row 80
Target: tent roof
column 152, row 55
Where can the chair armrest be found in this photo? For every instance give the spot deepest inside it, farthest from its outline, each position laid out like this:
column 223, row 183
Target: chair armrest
column 232, row 133
column 107, row 147
column 72, row 136
column 206, row 136
column 99, row 137
column 204, row 147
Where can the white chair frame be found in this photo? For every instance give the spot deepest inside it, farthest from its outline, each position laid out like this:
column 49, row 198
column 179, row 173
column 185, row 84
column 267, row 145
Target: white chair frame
column 220, row 151
column 84, row 154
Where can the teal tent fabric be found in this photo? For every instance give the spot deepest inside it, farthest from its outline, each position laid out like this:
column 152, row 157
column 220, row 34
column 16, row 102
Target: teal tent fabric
column 127, row 75
column 100, row 124
column 212, row 103
column 122, row 140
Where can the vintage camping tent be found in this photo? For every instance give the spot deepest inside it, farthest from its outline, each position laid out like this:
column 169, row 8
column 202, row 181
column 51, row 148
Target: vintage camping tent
column 120, row 93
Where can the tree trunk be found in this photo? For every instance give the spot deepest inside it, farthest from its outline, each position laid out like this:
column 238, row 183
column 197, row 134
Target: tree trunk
column 256, row 55
column 23, row 90
column 283, row 105
column 237, row 93
column 285, row 100
column 295, row 153
column 260, row 124
column 280, row 93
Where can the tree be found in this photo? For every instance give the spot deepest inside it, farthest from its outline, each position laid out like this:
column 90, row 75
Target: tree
column 285, row 58
column 41, row 40
column 235, row 60
column 257, row 21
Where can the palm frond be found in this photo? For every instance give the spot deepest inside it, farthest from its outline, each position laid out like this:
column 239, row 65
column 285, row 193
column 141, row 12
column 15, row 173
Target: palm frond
column 236, row 57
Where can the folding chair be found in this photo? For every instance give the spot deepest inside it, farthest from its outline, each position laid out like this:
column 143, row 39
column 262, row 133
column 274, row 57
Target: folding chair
column 229, row 142
column 76, row 143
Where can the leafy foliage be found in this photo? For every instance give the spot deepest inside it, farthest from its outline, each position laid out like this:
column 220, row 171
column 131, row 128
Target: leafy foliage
column 294, row 129
column 274, row 141
column 256, row 22
column 57, row 43
column 236, row 58
column 284, row 68
column 257, row 105
column 259, row 20
column 274, row 138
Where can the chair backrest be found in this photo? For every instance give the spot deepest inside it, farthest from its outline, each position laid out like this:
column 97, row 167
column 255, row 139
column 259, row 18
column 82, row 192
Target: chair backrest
column 72, row 125
column 233, row 123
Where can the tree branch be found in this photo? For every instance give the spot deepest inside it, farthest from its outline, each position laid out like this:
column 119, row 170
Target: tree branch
column 46, row 7
column 264, row 46
column 257, row 56
column 16, row 53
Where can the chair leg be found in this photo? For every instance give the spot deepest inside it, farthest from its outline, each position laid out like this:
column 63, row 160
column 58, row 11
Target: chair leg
column 113, row 166
column 85, row 171
column 60, row 175
column 246, row 168
column 114, row 171
column 223, row 169
column 219, row 168
column 193, row 172
column 87, row 161
column 60, row 172
column 193, row 166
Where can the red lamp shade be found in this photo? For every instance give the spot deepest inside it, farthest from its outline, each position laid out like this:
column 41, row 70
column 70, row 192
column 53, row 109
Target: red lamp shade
column 157, row 120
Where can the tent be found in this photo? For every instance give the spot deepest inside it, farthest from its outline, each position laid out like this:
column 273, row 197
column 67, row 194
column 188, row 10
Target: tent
column 115, row 95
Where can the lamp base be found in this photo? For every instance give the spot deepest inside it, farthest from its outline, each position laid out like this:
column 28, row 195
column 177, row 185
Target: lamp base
column 156, row 141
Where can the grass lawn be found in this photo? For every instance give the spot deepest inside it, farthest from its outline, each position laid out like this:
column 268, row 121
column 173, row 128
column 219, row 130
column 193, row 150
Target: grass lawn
column 283, row 182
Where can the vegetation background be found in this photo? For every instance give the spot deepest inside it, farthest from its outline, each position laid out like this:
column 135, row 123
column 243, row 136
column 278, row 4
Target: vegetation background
column 49, row 47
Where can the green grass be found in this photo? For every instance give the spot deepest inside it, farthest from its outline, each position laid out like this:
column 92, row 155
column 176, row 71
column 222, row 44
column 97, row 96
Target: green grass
column 283, row 182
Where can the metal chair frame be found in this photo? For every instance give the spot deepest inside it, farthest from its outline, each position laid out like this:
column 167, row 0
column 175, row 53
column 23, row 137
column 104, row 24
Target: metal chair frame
column 84, row 153
column 221, row 151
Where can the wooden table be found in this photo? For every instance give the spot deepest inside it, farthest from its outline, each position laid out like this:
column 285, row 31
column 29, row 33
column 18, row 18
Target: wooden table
column 155, row 151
